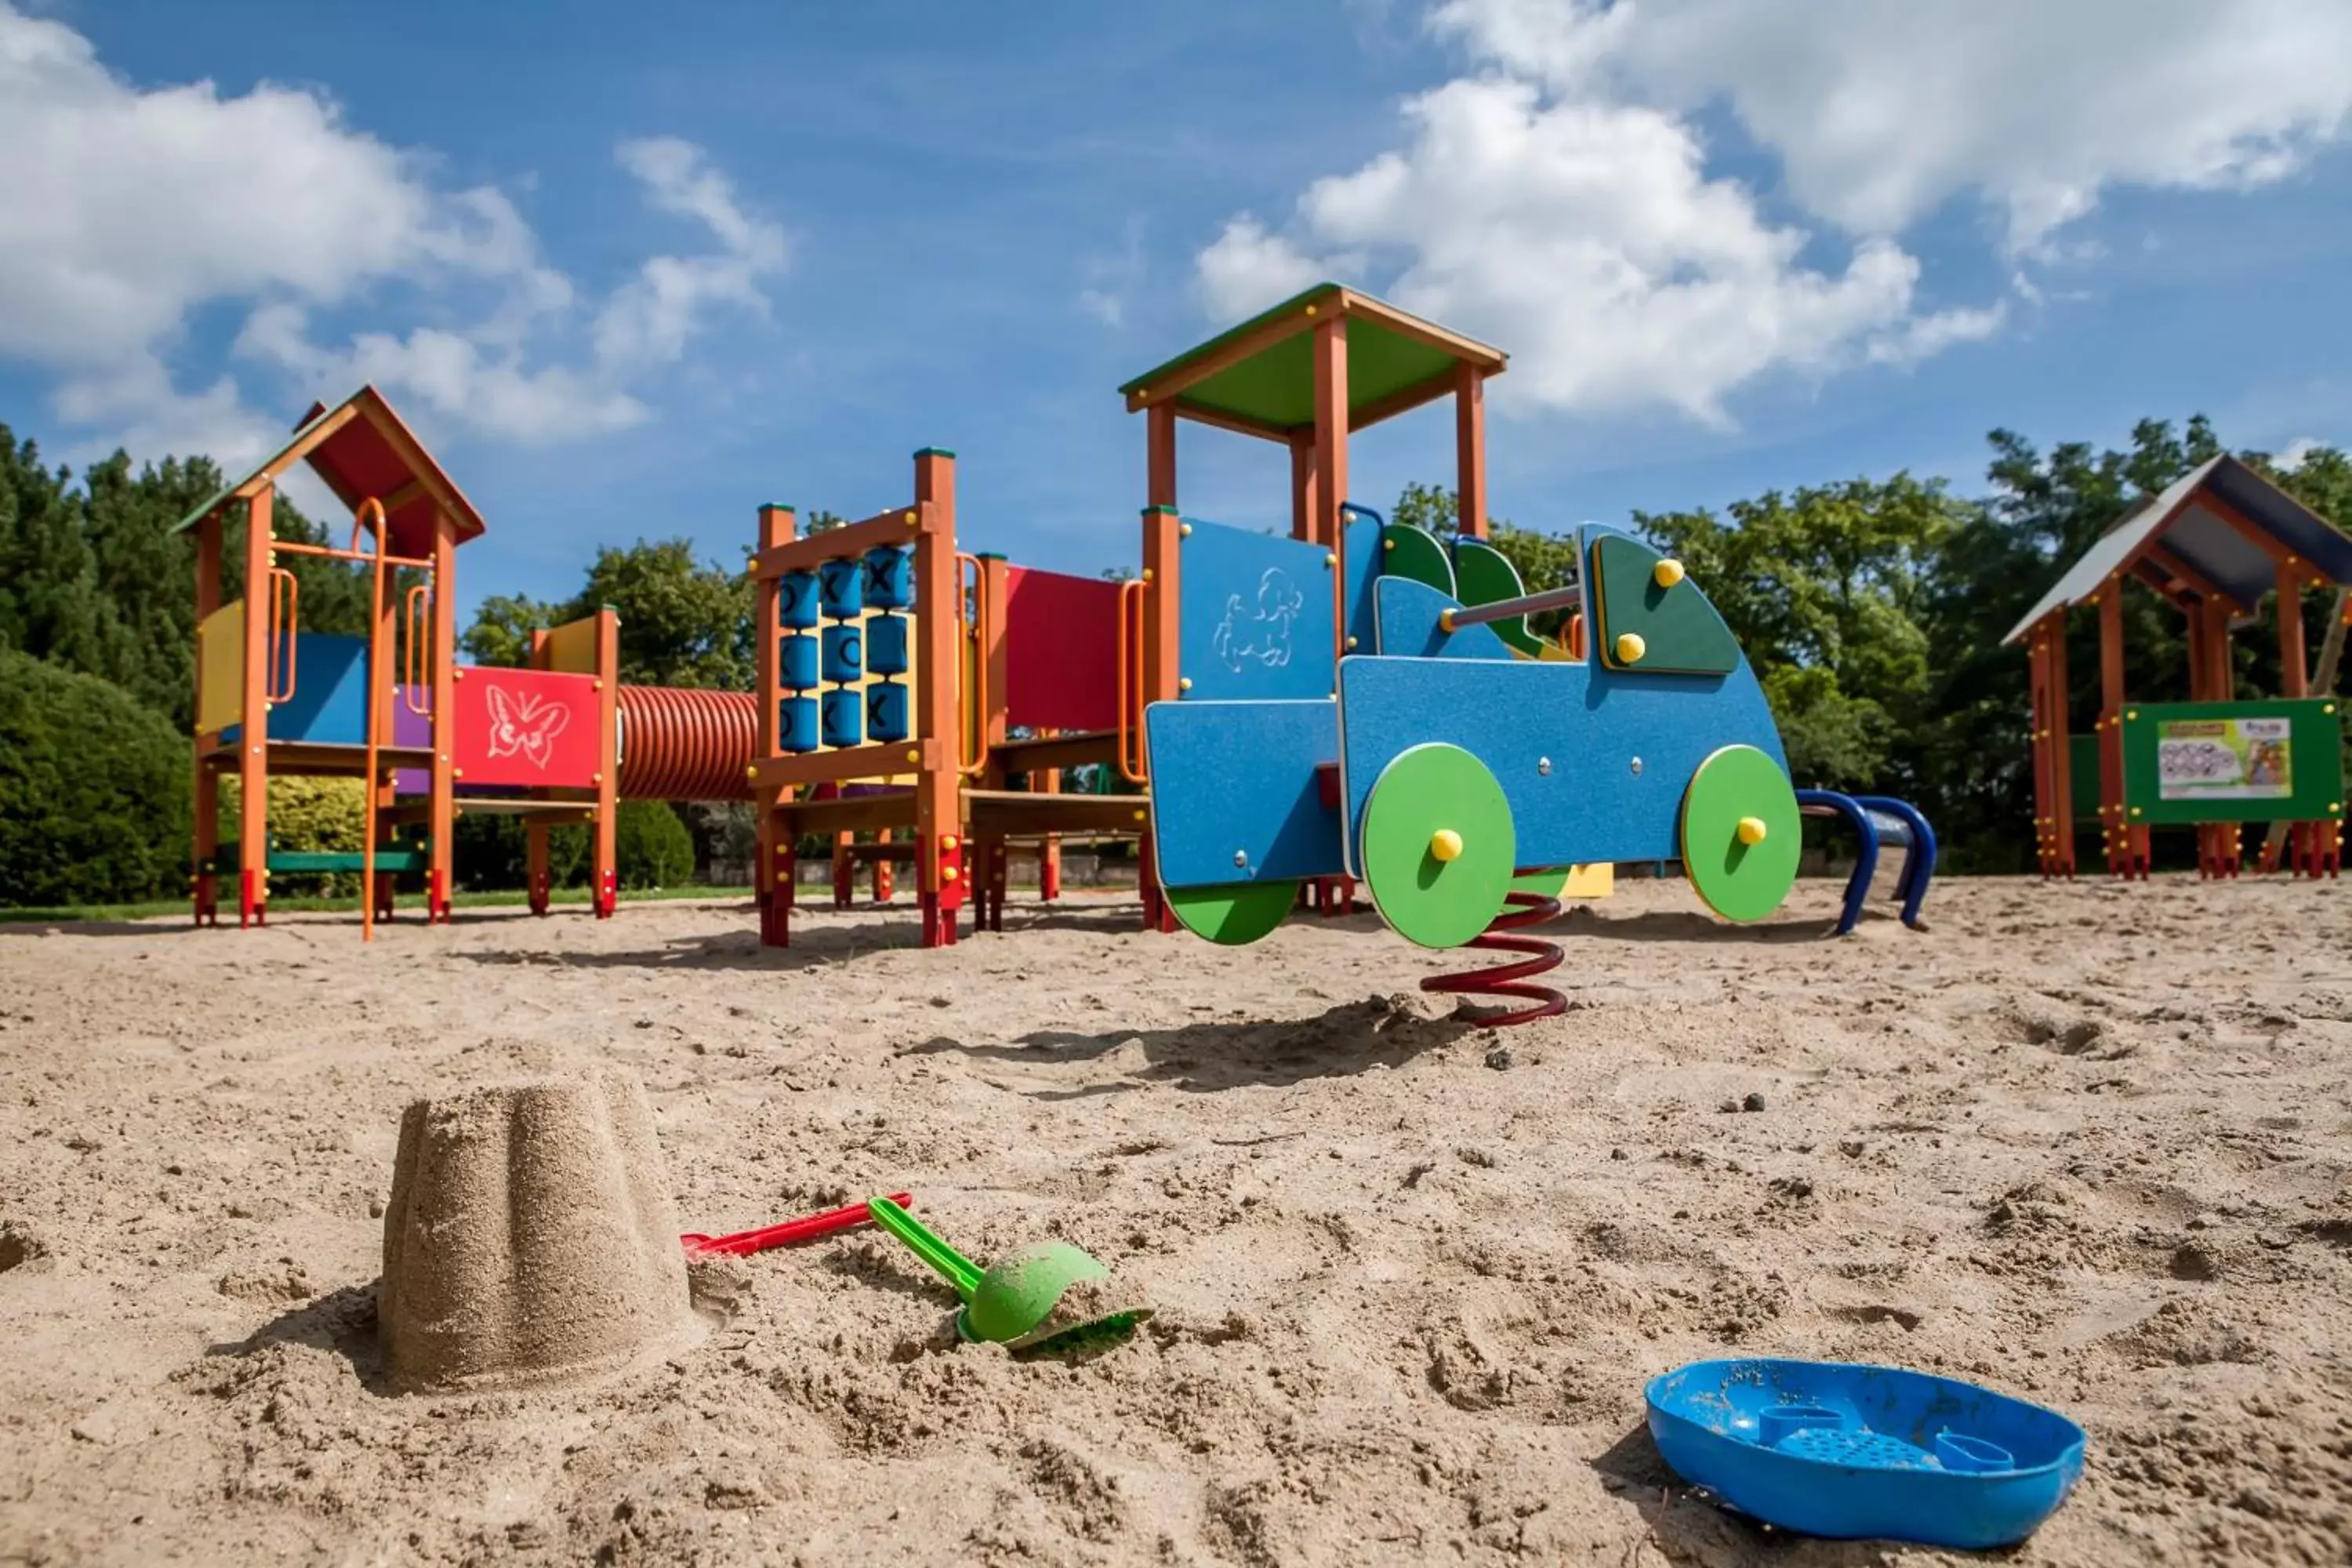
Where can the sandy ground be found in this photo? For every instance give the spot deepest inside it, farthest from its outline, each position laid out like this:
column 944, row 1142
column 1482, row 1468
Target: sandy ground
column 2089, row 1144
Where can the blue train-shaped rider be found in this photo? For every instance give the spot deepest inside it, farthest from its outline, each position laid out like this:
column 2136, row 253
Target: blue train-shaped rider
column 1463, row 755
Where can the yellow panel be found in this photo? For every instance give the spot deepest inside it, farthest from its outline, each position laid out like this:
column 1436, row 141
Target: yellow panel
column 220, row 669
column 1591, row 881
column 572, row 648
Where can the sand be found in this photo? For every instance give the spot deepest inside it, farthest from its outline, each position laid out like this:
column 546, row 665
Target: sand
column 531, row 1237
column 2089, row 1144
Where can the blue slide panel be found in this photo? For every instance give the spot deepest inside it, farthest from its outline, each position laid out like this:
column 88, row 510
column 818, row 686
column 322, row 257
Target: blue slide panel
column 1589, row 724
column 1238, row 779
column 1408, row 626
column 1255, row 617
column 1359, row 558
column 330, row 703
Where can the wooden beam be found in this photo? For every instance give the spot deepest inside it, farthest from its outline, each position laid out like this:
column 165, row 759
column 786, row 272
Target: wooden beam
column 1470, row 449
column 1493, row 361
column 851, row 763
column 310, row 442
column 1302, row 484
column 1240, row 424
column 995, row 813
column 899, row 526
column 1405, row 398
column 1177, row 378
column 2154, row 578
column 2247, row 528
column 2170, row 560
column 850, row 813
column 1039, row 754
column 1160, row 457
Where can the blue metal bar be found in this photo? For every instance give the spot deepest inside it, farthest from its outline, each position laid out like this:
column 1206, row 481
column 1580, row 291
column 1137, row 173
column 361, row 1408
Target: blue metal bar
column 1822, row 802
column 1919, row 860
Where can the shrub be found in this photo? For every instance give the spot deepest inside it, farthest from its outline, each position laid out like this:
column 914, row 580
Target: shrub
column 94, row 791
column 652, row 845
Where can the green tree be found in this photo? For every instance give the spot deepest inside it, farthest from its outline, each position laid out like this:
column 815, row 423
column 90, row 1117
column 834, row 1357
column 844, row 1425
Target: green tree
column 94, row 795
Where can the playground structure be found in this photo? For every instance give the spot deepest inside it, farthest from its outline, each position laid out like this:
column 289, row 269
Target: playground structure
column 2211, row 546
column 562, row 739
column 1403, row 725
column 905, row 687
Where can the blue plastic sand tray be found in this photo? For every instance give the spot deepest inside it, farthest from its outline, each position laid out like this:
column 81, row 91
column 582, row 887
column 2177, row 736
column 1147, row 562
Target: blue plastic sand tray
column 1852, row 1452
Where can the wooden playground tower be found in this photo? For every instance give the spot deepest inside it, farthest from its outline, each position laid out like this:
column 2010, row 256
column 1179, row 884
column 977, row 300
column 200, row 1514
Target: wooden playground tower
column 392, row 707
column 1307, row 373
column 2211, row 546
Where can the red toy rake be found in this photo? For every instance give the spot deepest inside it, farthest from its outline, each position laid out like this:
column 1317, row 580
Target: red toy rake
column 743, row 1243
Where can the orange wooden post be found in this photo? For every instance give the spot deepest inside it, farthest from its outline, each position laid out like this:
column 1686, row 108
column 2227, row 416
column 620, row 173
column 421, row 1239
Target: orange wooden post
column 2114, row 819
column 2063, row 768
column 2046, row 841
column 203, row 886
column 1330, row 350
column 994, row 591
column 1470, row 448
column 608, row 748
column 1302, row 486
column 938, row 783
column 2220, row 686
column 1160, row 437
column 440, row 881
column 381, row 679
column 253, row 757
column 534, row 833
column 772, row 875
column 2294, row 681
column 1163, row 599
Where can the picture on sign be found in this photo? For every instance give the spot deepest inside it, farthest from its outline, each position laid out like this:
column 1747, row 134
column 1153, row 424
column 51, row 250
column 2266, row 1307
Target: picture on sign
column 2223, row 759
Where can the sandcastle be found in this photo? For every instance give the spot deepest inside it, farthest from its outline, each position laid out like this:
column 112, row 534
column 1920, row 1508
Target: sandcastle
column 531, row 1236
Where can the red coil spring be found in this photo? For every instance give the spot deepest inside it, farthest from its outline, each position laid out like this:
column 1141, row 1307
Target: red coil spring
column 1510, row 979
column 680, row 743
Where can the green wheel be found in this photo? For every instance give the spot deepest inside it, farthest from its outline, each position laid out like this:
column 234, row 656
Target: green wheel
column 1233, row 914
column 1548, row 884
column 1740, row 834
column 1438, row 847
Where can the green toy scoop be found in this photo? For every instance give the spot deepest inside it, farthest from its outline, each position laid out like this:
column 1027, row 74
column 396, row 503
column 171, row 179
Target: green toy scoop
column 1050, row 1294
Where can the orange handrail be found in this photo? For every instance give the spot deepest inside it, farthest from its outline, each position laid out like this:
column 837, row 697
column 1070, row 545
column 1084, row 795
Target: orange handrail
column 414, row 691
column 359, row 521
column 1130, row 680
column 974, row 629
column 280, row 636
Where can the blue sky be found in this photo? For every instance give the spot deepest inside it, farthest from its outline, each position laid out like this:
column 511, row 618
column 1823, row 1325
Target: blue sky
column 895, row 225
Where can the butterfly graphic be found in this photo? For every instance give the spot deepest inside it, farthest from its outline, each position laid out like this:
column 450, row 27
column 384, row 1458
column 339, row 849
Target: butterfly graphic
column 526, row 724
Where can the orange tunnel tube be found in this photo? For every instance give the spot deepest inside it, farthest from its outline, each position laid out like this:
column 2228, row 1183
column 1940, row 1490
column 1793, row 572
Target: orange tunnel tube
column 681, row 743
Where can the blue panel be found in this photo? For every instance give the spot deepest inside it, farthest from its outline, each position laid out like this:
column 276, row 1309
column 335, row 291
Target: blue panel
column 885, row 711
column 889, row 577
column 797, row 672
column 886, row 644
column 329, row 707
column 1589, row 722
column 1409, row 628
column 796, row 725
column 1360, row 557
column 1255, row 614
column 843, row 710
column 845, row 653
column 796, row 599
column 1230, row 778
column 842, row 586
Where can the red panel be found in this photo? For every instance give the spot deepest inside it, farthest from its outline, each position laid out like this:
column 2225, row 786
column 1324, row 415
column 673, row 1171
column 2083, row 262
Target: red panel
column 1061, row 651
column 526, row 726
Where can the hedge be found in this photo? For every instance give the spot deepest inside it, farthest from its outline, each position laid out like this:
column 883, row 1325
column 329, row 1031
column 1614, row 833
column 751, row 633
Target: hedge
column 94, row 791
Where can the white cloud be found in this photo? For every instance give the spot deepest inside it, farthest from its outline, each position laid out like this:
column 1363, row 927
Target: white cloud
column 1556, row 200
column 2299, row 450
column 1882, row 113
column 1109, row 279
column 125, row 210
column 1587, row 239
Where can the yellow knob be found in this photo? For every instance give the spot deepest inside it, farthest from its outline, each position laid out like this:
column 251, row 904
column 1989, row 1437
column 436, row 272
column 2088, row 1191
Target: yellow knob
column 1631, row 647
column 1666, row 572
column 1752, row 830
column 1445, row 844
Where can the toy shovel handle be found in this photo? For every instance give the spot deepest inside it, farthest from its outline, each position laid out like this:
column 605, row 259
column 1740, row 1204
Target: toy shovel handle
column 953, row 1267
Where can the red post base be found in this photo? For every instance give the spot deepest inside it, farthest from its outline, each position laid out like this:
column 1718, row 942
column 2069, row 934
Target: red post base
column 608, row 895
column 778, row 878
column 252, row 902
column 542, row 892
column 437, row 899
